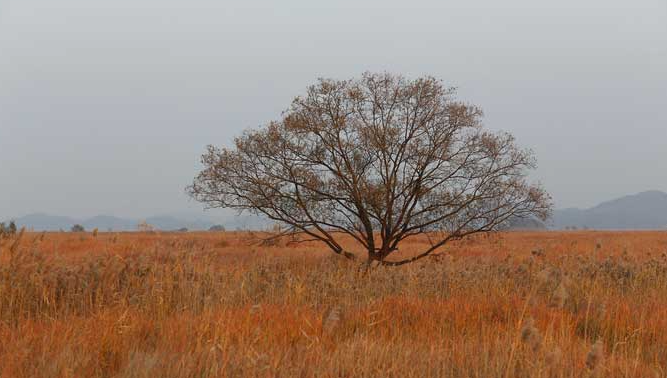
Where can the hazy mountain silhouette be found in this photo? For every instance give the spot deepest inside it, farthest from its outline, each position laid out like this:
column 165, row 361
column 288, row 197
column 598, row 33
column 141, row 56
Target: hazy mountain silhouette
column 525, row 224
column 46, row 222
column 41, row 222
column 167, row 222
column 108, row 222
column 646, row 210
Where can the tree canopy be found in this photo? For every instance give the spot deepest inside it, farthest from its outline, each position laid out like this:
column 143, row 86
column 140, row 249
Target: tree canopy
column 379, row 158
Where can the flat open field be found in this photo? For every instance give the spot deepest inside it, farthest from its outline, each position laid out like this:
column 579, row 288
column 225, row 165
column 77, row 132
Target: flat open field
column 542, row 304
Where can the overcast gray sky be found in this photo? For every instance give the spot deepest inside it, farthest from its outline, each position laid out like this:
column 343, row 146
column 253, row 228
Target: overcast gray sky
column 105, row 106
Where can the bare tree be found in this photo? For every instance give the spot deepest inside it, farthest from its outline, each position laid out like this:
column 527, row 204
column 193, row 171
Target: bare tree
column 380, row 158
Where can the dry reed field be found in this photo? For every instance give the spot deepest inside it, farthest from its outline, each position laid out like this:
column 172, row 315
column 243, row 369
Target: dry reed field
column 540, row 304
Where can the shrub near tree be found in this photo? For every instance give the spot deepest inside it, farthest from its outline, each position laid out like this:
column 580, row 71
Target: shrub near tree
column 9, row 229
column 380, row 159
column 12, row 228
column 78, row 228
column 217, row 228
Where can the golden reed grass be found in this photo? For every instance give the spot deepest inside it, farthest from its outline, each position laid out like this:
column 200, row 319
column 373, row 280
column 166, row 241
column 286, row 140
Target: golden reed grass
column 219, row 305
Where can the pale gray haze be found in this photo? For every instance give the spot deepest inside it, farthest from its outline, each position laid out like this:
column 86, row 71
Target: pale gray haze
column 106, row 106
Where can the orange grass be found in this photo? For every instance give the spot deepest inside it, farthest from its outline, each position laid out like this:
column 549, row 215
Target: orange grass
column 217, row 304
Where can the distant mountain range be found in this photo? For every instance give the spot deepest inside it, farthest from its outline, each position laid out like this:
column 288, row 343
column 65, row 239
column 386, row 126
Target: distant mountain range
column 646, row 210
column 46, row 222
